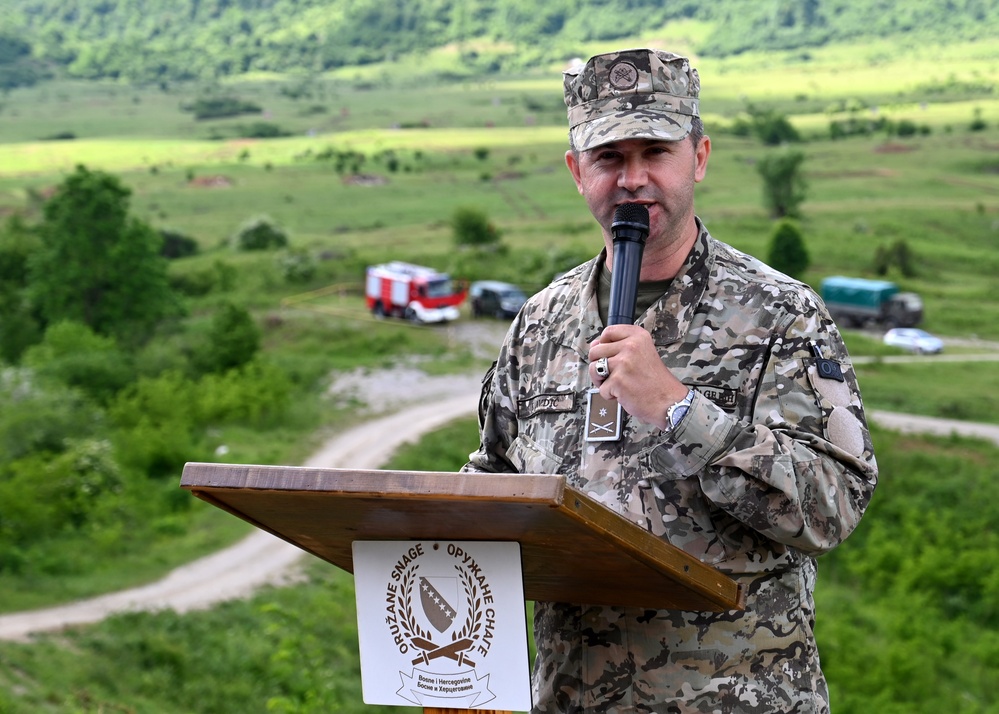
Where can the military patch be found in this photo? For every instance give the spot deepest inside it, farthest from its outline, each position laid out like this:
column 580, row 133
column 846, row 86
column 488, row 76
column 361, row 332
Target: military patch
column 827, row 368
column 723, row 397
column 546, row 403
column 603, row 417
column 623, row 75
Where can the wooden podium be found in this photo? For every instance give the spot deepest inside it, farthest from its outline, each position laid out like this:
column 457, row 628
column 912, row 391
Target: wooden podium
column 573, row 548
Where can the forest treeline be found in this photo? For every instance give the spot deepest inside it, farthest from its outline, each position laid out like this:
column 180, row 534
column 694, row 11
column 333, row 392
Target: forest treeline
column 172, row 40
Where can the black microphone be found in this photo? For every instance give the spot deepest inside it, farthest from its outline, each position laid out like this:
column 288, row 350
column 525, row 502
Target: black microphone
column 629, row 229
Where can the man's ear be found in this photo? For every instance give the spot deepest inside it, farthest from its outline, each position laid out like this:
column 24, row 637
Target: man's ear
column 572, row 161
column 701, row 155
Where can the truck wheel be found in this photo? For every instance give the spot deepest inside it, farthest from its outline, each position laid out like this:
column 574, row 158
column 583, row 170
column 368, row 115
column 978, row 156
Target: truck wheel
column 378, row 310
column 410, row 315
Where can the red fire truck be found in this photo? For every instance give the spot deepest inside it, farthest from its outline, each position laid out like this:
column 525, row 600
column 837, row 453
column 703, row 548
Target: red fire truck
column 412, row 292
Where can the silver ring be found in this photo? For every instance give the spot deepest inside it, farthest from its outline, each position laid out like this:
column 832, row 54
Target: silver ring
column 602, row 368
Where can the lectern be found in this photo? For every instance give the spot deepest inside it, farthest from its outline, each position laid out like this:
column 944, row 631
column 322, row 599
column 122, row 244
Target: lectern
column 573, row 549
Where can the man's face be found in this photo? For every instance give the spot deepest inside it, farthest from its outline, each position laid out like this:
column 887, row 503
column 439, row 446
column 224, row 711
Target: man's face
column 659, row 174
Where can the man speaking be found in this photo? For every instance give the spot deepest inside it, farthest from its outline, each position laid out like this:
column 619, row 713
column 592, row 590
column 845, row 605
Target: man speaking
column 741, row 437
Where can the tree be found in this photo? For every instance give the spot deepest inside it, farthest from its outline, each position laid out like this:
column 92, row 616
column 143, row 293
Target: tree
column 471, row 226
column 97, row 265
column 19, row 326
column 787, row 249
column 783, row 185
column 260, row 233
column 233, row 340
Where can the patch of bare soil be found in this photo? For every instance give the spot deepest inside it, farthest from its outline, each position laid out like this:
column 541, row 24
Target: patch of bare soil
column 217, row 181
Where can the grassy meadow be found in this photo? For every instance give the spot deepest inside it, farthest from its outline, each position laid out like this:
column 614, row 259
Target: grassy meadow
column 498, row 146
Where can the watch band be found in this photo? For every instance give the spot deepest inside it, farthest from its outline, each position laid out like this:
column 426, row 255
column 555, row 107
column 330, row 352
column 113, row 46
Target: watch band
column 676, row 413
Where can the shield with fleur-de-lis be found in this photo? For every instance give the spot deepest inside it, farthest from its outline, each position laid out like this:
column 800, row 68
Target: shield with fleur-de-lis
column 438, row 610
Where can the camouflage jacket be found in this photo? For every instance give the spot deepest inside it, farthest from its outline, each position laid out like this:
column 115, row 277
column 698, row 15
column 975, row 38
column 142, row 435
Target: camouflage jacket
column 773, row 462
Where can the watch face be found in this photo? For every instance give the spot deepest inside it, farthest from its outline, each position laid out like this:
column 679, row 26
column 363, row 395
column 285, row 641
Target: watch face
column 677, row 414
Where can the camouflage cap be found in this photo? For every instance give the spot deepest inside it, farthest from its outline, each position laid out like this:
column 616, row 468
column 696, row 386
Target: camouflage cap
column 631, row 94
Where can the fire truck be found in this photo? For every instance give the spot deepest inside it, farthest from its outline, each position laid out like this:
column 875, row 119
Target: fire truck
column 412, row 292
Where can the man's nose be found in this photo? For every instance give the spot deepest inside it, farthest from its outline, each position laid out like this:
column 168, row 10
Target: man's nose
column 634, row 173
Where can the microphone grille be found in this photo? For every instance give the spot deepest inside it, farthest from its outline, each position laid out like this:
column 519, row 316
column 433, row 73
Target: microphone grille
column 635, row 213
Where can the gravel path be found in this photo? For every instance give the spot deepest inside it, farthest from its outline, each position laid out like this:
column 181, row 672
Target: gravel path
column 260, row 558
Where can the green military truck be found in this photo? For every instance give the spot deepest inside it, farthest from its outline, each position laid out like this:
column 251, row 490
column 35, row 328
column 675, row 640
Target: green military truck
column 858, row 302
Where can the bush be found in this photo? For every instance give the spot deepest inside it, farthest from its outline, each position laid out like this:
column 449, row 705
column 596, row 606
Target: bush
column 156, row 421
column 297, row 266
column 260, row 234
column 74, row 356
column 787, row 251
column 897, row 255
column 197, row 282
column 233, row 340
column 220, row 107
column 176, row 244
column 471, row 226
column 783, row 184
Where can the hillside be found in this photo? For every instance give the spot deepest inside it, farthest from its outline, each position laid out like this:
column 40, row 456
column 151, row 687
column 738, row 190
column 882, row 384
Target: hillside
column 171, row 40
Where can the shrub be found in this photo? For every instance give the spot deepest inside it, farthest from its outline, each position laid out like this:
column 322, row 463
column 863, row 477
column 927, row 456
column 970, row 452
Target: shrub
column 260, row 233
column 74, row 356
column 787, row 251
column 297, row 266
column 471, row 226
column 783, row 184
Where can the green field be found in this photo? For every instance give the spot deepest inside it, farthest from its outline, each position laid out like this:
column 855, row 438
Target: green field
column 429, row 148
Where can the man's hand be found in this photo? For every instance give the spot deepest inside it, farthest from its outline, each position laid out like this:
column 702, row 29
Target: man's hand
column 638, row 379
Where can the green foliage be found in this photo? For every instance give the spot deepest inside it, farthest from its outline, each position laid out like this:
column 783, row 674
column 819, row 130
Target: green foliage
column 135, row 43
column 220, row 107
column 19, row 328
column 233, row 340
column 285, row 650
column 197, row 281
column 297, row 266
column 97, row 265
column 784, row 185
column 17, row 67
column 72, row 355
column 768, row 125
column 260, row 233
column 898, row 255
column 38, row 418
column 787, row 252
column 257, row 394
column 156, row 421
column 472, row 227
column 261, row 130
column 914, row 588
column 177, row 244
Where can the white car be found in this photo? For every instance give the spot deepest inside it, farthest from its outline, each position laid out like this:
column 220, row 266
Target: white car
column 912, row 339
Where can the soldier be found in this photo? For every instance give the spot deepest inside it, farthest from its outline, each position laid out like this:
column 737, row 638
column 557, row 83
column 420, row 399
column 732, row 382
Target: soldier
column 744, row 440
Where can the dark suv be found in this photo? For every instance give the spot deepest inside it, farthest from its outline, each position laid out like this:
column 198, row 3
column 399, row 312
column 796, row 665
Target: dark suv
column 491, row 297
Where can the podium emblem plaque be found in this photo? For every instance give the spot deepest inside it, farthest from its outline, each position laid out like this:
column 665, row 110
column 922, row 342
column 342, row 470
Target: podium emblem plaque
column 442, row 624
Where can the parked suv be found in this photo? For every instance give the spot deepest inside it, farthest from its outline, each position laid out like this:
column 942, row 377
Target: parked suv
column 491, row 297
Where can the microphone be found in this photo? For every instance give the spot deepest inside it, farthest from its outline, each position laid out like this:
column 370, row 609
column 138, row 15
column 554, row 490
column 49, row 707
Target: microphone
column 629, row 229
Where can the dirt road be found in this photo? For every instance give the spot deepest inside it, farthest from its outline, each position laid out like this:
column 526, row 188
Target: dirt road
column 262, row 559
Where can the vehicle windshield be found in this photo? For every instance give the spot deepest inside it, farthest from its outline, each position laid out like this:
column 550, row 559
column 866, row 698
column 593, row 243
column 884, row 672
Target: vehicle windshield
column 439, row 288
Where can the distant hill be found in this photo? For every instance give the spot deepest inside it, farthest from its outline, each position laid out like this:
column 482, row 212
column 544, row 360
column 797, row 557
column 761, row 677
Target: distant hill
column 169, row 40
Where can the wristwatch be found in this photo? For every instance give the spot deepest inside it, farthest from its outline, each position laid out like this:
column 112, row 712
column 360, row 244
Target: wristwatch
column 675, row 414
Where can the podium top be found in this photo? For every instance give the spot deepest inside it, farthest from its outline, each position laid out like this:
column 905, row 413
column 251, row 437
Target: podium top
column 573, row 548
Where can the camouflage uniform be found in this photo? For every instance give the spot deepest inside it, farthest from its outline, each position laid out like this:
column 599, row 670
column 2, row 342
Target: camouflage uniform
column 772, row 466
